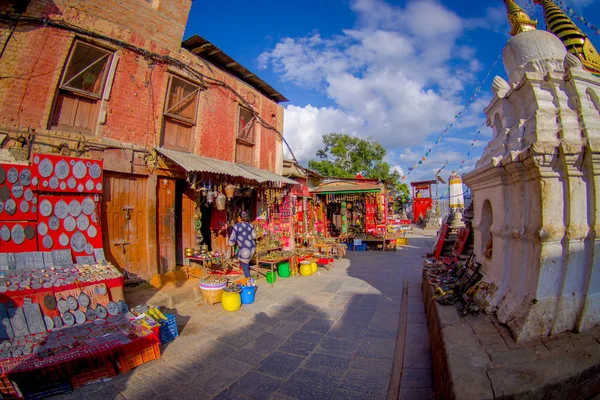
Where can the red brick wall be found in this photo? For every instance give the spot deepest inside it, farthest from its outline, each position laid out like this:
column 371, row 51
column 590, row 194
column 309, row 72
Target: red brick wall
column 136, row 105
column 130, row 20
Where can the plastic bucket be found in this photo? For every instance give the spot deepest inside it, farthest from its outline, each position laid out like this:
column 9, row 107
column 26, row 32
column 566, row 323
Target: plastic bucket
column 271, row 277
column 248, row 294
column 314, row 267
column 231, row 301
column 283, row 269
column 305, row 268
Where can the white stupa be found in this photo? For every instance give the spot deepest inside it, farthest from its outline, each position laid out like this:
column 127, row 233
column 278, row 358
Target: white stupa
column 457, row 199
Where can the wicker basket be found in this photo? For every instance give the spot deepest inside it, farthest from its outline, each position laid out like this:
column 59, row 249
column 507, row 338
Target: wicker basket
column 213, row 296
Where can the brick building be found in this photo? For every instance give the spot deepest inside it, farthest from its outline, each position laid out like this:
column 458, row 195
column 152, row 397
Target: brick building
column 112, row 80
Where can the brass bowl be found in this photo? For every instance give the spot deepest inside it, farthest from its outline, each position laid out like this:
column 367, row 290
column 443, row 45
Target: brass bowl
column 188, row 251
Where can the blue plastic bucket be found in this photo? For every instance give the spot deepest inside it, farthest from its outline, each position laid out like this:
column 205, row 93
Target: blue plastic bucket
column 247, row 294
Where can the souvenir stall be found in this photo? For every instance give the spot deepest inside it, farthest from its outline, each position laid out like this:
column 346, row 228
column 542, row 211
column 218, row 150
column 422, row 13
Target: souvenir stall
column 278, row 206
column 422, row 198
column 63, row 314
column 303, row 219
column 220, row 200
column 353, row 213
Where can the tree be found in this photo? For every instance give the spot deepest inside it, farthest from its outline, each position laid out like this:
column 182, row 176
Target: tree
column 345, row 156
column 402, row 192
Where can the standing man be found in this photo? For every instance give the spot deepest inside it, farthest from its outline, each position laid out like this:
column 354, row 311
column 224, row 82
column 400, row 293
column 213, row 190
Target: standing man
column 244, row 236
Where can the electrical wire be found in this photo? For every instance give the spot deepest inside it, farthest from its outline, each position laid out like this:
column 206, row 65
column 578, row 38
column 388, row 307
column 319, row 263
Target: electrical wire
column 155, row 57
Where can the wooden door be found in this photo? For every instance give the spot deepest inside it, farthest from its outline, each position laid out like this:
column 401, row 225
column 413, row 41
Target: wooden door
column 124, row 210
column 186, row 234
column 166, row 224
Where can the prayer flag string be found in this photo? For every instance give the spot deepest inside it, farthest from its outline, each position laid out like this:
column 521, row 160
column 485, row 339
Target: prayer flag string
column 430, row 151
column 577, row 16
column 462, row 163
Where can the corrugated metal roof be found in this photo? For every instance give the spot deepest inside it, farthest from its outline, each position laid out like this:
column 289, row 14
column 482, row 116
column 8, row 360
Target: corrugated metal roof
column 195, row 163
column 208, row 51
column 268, row 175
column 346, row 187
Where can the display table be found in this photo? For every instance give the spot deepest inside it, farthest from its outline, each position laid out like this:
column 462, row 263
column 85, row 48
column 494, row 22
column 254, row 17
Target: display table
column 202, row 262
column 271, row 264
column 324, row 248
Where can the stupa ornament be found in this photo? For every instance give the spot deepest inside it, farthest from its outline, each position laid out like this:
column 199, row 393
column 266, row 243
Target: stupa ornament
column 535, row 188
column 574, row 39
column 518, row 18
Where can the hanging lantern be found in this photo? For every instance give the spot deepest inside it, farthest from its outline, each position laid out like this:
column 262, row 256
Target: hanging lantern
column 229, row 191
column 220, row 201
column 209, row 197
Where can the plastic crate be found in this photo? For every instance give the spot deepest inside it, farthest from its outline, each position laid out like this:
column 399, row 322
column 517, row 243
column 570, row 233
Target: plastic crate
column 42, row 392
column 168, row 329
column 134, row 359
column 91, row 374
column 9, row 389
column 360, row 247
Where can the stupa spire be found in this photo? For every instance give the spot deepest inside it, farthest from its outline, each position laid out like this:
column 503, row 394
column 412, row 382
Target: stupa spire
column 573, row 38
column 518, row 18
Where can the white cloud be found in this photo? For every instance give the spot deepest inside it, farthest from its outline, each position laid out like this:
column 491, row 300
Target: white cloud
column 304, row 127
column 398, row 76
column 468, row 142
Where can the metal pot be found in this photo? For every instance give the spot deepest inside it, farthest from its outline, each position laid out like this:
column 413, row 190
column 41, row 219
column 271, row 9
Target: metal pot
column 188, row 251
column 204, row 249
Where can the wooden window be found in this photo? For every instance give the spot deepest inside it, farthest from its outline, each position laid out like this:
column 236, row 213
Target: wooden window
column 81, row 86
column 244, row 152
column 246, row 125
column 180, row 115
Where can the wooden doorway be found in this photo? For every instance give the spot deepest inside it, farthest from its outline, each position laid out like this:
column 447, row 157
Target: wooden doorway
column 166, row 224
column 185, row 205
column 124, row 232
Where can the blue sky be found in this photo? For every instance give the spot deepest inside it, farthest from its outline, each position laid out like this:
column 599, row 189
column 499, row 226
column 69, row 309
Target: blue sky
column 396, row 71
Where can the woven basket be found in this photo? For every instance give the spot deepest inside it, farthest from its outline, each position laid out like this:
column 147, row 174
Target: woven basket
column 212, row 296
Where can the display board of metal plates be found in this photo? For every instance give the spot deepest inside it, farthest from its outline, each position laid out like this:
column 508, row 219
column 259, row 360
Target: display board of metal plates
column 69, row 222
column 56, row 173
column 18, row 193
column 17, row 237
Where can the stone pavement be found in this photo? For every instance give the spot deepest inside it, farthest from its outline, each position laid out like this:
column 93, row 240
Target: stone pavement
column 331, row 336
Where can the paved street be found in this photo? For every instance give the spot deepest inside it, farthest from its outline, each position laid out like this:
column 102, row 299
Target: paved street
column 331, row 336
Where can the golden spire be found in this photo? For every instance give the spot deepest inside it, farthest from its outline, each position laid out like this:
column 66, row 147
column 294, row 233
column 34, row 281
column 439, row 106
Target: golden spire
column 573, row 38
column 518, row 18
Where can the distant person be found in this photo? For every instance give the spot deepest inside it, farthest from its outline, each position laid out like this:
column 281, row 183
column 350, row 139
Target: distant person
column 244, row 236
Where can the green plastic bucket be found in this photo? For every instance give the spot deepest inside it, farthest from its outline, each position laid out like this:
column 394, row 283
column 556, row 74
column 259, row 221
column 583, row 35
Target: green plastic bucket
column 283, row 269
column 271, row 277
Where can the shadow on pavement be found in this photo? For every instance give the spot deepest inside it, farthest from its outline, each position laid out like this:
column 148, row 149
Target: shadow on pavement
column 331, row 336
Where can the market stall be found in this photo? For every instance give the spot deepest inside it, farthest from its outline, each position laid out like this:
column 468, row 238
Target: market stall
column 422, row 198
column 64, row 320
column 355, row 212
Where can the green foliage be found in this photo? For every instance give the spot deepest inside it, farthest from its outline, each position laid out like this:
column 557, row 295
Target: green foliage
column 402, row 192
column 346, row 156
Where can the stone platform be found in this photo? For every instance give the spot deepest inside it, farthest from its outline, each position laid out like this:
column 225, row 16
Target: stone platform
column 474, row 357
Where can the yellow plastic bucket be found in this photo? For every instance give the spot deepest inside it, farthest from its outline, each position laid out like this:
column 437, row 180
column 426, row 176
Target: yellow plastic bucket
column 231, row 301
column 305, row 269
column 314, row 267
